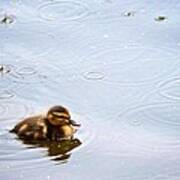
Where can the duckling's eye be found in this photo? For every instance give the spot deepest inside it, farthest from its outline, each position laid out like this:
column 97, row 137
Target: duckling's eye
column 60, row 115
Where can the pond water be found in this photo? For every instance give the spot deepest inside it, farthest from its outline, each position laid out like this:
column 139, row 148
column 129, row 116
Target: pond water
column 114, row 64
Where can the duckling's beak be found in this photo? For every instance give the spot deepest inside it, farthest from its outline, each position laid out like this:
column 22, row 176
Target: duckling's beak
column 74, row 123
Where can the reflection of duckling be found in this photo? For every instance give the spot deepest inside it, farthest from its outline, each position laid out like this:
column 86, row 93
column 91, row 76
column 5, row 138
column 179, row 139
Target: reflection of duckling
column 56, row 125
column 59, row 150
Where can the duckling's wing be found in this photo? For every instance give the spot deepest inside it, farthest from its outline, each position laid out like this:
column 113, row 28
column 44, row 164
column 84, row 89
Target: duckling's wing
column 26, row 125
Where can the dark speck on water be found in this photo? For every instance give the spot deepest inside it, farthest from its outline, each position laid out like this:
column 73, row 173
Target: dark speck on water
column 7, row 19
column 160, row 18
column 1, row 68
column 4, row 69
column 129, row 13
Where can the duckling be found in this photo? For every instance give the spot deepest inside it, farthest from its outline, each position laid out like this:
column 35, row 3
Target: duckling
column 55, row 125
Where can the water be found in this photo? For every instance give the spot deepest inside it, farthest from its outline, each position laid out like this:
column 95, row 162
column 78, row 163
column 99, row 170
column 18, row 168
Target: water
column 114, row 64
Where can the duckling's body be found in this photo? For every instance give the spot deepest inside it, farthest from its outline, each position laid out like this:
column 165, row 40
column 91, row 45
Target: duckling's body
column 56, row 125
column 32, row 128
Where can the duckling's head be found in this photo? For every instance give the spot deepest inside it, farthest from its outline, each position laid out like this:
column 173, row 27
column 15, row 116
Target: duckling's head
column 58, row 115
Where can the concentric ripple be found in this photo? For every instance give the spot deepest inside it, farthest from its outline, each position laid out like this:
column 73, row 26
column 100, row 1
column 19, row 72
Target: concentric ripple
column 22, row 75
column 15, row 82
column 130, row 66
column 159, row 124
column 26, row 75
column 17, row 154
column 94, row 75
column 12, row 110
column 13, row 154
column 63, row 11
column 18, row 71
column 87, row 132
column 170, row 89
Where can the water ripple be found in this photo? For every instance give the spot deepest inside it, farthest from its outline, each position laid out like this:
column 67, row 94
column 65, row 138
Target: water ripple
column 87, row 132
column 16, row 73
column 159, row 123
column 94, row 75
column 125, row 66
column 13, row 110
column 14, row 155
column 27, row 75
column 170, row 89
column 17, row 154
column 63, row 11
column 164, row 113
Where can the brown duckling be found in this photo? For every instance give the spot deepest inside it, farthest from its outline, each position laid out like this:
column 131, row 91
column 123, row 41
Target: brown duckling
column 55, row 125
